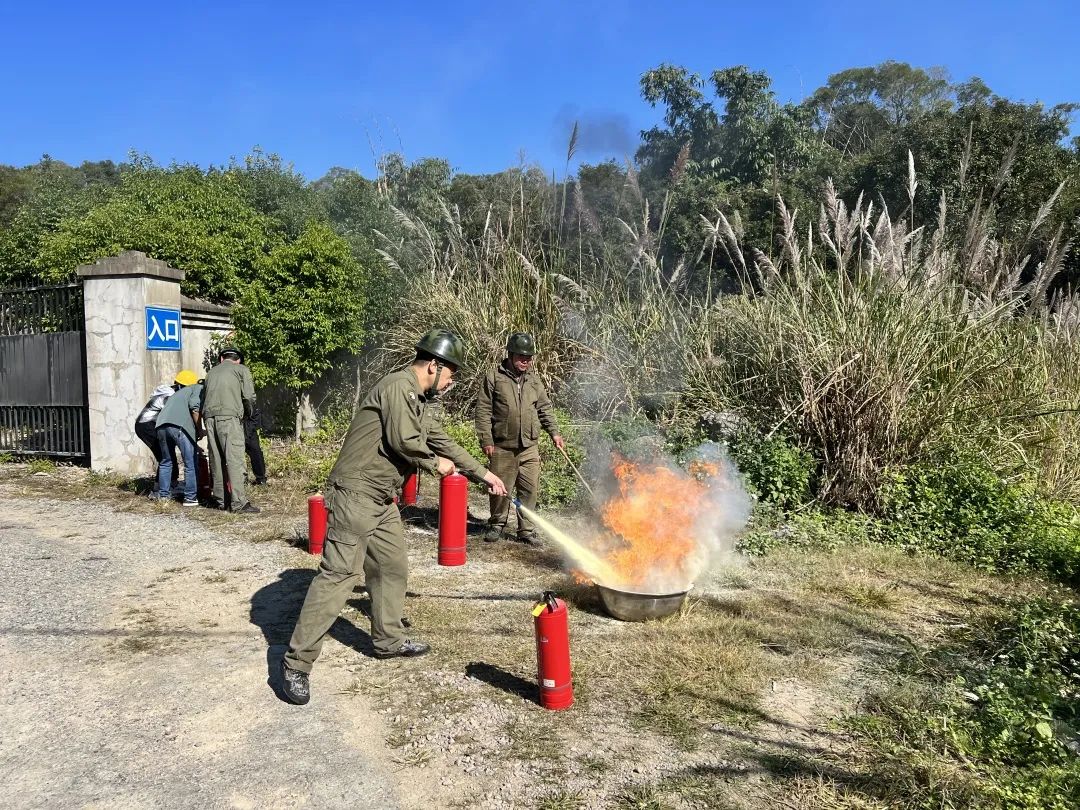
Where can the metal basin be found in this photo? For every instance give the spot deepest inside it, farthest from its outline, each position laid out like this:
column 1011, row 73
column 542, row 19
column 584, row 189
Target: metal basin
column 631, row 606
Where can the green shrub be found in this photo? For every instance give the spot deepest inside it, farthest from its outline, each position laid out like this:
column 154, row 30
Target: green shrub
column 41, row 465
column 333, row 425
column 559, row 484
column 320, row 471
column 461, row 430
column 110, row 479
column 309, row 463
column 965, row 512
column 636, row 438
column 771, row 528
column 775, row 469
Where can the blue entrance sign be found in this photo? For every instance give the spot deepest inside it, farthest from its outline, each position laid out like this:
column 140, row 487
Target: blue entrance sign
column 163, row 329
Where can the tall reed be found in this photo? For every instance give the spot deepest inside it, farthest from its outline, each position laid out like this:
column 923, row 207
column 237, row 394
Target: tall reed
column 871, row 340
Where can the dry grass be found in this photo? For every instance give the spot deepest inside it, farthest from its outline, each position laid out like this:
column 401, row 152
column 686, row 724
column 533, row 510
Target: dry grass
column 879, row 345
column 563, row 800
column 701, row 679
column 644, row 797
column 718, row 680
column 142, row 633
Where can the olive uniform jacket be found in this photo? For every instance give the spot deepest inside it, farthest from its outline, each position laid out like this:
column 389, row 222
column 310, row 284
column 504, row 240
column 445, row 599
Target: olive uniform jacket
column 511, row 409
column 393, row 433
column 228, row 391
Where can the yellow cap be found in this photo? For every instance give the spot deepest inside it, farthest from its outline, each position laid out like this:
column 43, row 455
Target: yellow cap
column 186, row 377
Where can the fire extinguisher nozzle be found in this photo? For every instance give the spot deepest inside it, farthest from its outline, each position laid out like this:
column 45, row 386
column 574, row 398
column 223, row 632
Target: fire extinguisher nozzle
column 517, row 503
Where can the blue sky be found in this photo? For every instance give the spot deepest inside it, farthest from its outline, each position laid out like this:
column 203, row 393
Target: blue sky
column 479, row 83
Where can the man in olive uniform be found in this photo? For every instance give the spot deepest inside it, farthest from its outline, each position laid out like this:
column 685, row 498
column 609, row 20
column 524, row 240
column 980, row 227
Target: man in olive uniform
column 228, row 397
column 392, row 434
column 510, row 410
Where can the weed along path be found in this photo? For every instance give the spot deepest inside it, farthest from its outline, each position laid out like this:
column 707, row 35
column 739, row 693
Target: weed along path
column 137, row 641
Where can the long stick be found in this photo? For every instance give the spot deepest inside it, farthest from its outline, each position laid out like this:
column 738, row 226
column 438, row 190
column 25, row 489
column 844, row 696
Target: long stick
column 581, row 477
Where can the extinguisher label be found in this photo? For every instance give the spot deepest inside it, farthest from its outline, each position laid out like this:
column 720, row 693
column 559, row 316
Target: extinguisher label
column 549, row 683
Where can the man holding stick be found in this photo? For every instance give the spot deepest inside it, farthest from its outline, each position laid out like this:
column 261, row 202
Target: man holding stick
column 511, row 408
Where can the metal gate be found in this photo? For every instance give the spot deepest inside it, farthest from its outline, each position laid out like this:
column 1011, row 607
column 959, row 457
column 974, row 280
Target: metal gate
column 43, row 404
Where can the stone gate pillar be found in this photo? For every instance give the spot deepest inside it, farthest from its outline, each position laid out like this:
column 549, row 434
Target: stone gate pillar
column 134, row 342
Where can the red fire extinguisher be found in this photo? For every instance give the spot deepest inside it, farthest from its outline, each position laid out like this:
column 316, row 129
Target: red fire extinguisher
column 409, row 490
column 453, row 514
column 316, row 522
column 553, row 652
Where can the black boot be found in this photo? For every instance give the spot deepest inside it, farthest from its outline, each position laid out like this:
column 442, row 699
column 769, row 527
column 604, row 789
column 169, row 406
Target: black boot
column 410, row 649
column 295, row 685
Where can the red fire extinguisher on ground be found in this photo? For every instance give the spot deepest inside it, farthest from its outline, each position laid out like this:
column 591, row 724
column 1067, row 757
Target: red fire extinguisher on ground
column 316, row 521
column 453, row 517
column 553, row 652
column 410, row 489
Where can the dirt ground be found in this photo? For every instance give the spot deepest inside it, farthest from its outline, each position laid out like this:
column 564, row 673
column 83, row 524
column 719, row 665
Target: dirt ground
column 141, row 645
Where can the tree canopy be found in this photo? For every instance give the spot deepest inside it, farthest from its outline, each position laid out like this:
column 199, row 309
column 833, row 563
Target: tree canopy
column 305, row 261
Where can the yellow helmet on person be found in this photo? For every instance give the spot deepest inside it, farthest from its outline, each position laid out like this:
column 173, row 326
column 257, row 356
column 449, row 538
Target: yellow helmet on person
column 186, row 377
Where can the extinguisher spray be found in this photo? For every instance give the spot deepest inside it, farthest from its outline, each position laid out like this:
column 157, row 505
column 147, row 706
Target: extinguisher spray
column 553, row 652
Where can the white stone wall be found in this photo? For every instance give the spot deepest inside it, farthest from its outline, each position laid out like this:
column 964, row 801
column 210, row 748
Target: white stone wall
column 116, row 375
column 197, row 338
column 120, row 371
column 158, row 366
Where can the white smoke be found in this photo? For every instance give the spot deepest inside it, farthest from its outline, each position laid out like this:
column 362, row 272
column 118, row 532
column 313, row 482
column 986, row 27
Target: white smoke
column 724, row 514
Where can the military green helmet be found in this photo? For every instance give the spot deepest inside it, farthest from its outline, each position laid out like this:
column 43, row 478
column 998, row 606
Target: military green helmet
column 231, row 353
column 521, row 343
column 443, row 345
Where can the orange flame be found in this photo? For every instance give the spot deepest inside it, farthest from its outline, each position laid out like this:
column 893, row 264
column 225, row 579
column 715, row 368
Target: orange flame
column 655, row 513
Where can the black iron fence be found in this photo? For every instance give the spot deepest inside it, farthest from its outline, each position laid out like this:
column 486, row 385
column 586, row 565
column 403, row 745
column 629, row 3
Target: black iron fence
column 44, row 430
column 43, row 404
column 37, row 310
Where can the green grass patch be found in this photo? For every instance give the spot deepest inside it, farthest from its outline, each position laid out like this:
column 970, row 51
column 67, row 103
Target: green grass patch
column 988, row 720
column 40, row 465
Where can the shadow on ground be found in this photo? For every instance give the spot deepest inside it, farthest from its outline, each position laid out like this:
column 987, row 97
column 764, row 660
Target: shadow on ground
column 501, row 679
column 275, row 609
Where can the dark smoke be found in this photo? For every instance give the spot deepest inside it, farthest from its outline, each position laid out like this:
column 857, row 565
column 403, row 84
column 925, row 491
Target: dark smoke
column 600, row 134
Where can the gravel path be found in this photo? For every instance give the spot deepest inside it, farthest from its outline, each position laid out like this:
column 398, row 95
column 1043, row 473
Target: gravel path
column 135, row 653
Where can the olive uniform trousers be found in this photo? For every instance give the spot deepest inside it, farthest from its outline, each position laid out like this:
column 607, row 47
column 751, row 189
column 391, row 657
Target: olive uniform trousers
column 363, row 534
column 225, row 438
column 520, row 471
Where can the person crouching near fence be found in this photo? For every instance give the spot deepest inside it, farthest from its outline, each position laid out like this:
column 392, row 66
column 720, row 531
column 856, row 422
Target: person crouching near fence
column 178, row 428
column 146, row 427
